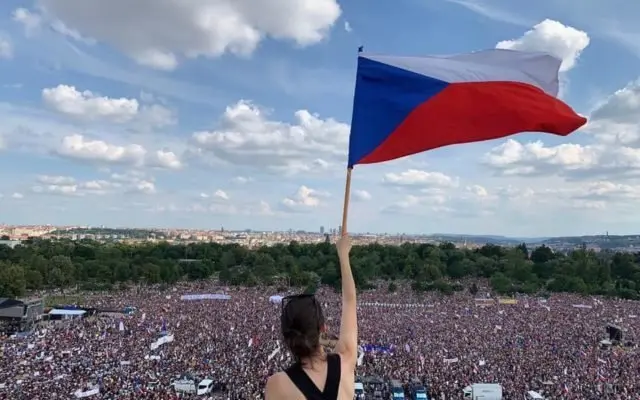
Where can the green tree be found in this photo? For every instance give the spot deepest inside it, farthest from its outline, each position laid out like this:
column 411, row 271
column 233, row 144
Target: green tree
column 39, row 263
column 12, row 280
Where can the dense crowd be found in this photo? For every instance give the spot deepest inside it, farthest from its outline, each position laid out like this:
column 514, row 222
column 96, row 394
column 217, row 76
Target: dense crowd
column 547, row 345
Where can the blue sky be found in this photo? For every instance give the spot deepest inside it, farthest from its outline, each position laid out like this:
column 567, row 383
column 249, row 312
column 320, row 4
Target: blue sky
column 202, row 114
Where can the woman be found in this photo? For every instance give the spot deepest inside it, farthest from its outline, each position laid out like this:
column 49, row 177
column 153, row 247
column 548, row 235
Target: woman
column 315, row 374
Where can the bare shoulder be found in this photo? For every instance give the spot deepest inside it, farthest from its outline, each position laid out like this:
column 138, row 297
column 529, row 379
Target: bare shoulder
column 276, row 385
column 276, row 381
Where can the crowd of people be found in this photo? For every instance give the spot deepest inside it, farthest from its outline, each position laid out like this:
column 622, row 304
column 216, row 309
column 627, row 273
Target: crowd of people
column 549, row 345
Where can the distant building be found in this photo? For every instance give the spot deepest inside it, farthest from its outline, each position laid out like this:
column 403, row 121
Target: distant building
column 10, row 243
column 322, row 230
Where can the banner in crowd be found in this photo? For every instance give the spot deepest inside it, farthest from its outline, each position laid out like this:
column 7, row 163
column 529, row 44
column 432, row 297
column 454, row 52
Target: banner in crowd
column 374, row 348
column 398, row 305
column 161, row 341
column 482, row 302
column 507, row 301
column 207, row 296
column 87, row 393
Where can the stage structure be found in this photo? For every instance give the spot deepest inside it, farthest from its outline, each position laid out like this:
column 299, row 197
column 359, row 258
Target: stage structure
column 20, row 315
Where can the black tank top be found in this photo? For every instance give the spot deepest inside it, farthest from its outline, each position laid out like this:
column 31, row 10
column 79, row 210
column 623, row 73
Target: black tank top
column 309, row 389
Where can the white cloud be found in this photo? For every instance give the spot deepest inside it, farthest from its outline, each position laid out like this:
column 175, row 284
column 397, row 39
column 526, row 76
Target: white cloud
column 261, row 208
column 400, row 206
column 304, row 199
column 63, row 29
column 56, row 180
column 621, row 106
column 165, row 159
column 99, row 186
column 613, row 153
column 347, row 26
column 81, row 148
column 600, row 175
column 220, row 194
column 132, row 182
column 248, row 137
column 361, row 195
column 17, row 195
column 78, row 147
column 515, row 158
column 198, row 28
column 30, row 21
column 414, row 177
column 6, row 48
column 143, row 187
column 494, row 13
column 564, row 42
column 156, row 116
column 68, row 100
column 478, row 191
column 64, row 190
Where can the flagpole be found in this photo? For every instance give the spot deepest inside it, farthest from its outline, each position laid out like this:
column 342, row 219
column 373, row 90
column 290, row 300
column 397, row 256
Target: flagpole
column 345, row 207
column 347, row 188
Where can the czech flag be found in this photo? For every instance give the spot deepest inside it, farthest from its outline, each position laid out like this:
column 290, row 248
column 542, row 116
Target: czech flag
column 407, row 105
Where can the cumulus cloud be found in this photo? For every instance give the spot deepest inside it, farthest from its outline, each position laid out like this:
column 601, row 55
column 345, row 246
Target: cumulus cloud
column 247, row 136
column 78, row 147
column 219, row 195
column 612, row 153
column 56, row 180
column 68, row 100
column 304, row 199
column 361, row 195
column 250, row 209
column 414, row 177
column 133, row 182
column 164, row 159
column 198, row 28
column 89, row 106
column 553, row 37
column 81, row 148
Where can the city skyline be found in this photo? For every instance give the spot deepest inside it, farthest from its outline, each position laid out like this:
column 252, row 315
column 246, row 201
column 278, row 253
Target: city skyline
column 199, row 126
column 21, row 232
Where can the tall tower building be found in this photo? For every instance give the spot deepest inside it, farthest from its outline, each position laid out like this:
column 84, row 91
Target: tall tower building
column 322, row 230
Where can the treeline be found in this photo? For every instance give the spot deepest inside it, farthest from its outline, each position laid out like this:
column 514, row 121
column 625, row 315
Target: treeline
column 90, row 265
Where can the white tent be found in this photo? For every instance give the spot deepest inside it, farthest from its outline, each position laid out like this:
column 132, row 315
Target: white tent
column 67, row 314
column 275, row 299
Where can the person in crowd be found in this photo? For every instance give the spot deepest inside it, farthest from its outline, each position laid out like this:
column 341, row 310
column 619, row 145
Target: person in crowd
column 316, row 375
column 551, row 346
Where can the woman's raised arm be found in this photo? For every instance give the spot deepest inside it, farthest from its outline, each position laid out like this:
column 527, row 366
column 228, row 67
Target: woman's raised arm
column 347, row 345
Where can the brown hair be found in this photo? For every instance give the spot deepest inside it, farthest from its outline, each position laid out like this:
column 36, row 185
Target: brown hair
column 302, row 323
